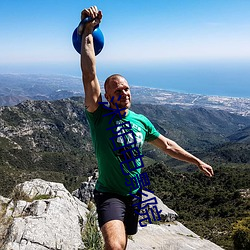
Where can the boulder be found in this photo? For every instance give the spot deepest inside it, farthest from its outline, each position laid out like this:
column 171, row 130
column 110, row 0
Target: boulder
column 85, row 192
column 166, row 214
column 43, row 215
column 169, row 236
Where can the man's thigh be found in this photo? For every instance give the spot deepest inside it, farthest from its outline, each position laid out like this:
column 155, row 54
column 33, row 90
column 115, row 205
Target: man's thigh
column 109, row 207
column 115, row 207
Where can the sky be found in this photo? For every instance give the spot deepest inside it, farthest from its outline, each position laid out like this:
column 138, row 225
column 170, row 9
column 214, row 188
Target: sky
column 150, row 41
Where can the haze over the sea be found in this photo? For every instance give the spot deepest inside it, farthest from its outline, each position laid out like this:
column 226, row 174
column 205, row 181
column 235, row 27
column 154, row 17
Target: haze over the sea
column 219, row 79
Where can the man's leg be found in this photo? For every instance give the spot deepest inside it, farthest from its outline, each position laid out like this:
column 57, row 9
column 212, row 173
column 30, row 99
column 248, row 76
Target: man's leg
column 111, row 211
column 114, row 235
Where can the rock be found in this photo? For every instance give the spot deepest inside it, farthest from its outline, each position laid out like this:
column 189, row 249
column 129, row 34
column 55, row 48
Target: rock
column 166, row 213
column 169, row 236
column 44, row 215
column 85, row 192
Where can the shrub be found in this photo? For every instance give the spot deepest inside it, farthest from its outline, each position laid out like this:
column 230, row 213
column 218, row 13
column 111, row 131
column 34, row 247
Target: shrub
column 91, row 235
column 241, row 234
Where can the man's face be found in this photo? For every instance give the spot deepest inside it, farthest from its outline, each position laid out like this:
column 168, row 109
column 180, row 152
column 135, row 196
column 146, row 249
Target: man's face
column 118, row 87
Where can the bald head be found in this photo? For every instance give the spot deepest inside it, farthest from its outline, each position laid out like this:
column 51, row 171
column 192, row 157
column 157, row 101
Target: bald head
column 117, row 91
column 113, row 79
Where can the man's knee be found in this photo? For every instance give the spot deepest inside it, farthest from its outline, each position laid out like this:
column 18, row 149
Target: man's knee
column 115, row 245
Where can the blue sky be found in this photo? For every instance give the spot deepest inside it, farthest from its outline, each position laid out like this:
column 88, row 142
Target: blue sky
column 35, row 35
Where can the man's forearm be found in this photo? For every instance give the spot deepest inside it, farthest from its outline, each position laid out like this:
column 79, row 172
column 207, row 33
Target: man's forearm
column 175, row 151
column 88, row 63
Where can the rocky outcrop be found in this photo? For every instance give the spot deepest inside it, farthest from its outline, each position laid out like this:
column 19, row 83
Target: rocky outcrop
column 85, row 192
column 169, row 236
column 43, row 215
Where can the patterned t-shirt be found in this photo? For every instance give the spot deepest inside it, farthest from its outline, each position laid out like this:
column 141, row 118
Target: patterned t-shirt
column 118, row 147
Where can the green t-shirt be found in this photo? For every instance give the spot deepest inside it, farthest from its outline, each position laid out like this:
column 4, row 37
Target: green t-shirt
column 118, row 147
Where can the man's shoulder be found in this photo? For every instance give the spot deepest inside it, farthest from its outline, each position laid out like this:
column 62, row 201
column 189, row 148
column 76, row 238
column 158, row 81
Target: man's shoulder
column 94, row 117
column 100, row 109
column 138, row 116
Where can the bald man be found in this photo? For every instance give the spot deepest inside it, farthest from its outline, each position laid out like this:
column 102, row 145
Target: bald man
column 117, row 139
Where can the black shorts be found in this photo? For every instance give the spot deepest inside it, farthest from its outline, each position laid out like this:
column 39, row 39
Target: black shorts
column 117, row 207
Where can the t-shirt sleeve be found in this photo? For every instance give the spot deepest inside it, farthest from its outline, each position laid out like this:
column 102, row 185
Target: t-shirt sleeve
column 152, row 133
column 94, row 117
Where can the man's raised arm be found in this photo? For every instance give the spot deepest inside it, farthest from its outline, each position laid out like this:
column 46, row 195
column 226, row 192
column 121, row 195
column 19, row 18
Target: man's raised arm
column 88, row 64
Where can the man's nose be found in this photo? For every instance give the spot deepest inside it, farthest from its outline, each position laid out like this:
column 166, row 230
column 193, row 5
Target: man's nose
column 124, row 92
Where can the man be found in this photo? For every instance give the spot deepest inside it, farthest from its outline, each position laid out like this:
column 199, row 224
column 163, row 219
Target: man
column 116, row 214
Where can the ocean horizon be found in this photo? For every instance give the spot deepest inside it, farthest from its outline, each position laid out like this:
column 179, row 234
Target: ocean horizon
column 213, row 79
column 208, row 79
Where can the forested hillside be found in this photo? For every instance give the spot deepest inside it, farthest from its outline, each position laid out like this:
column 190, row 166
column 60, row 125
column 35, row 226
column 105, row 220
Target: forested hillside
column 51, row 140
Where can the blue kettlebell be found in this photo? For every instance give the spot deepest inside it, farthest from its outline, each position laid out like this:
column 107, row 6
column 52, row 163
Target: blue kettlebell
column 98, row 37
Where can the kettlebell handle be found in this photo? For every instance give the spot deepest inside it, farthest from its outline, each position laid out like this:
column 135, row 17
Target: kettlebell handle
column 85, row 21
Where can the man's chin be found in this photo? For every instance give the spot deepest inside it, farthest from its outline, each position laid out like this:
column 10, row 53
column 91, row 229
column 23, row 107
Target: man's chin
column 128, row 105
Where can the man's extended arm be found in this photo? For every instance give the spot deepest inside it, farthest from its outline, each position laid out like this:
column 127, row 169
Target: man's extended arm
column 174, row 150
column 88, row 63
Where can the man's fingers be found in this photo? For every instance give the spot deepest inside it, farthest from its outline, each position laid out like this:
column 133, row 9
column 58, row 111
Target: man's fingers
column 99, row 15
column 208, row 171
column 91, row 12
column 84, row 14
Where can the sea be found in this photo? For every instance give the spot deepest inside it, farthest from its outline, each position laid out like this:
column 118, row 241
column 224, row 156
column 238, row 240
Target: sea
column 228, row 79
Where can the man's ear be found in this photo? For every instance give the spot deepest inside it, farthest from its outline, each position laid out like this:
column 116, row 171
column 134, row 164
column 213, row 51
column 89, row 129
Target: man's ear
column 107, row 97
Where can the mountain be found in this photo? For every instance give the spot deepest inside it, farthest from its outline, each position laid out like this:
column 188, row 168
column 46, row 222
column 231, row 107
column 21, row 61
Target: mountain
column 51, row 139
column 45, row 139
column 242, row 136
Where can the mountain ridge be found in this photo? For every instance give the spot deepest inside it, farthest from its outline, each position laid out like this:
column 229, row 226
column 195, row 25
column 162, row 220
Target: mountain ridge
column 50, row 140
column 54, row 135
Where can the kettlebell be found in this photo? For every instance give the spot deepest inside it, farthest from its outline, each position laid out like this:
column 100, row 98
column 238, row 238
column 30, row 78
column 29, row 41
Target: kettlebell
column 98, row 37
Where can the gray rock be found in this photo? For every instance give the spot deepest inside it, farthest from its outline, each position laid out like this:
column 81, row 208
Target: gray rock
column 169, row 236
column 45, row 216
column 85, row 192
column 166, row 213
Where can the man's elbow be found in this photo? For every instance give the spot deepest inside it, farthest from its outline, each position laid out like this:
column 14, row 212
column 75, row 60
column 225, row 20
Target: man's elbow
column 170, row 146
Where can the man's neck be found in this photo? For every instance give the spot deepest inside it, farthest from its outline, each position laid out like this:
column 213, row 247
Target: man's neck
column 126, row 111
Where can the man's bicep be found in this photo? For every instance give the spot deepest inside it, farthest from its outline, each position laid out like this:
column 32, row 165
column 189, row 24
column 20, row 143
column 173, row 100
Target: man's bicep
column 159, row 142
column 92, row 94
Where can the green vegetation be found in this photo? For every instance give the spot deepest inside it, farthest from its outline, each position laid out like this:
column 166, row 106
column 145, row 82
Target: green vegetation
column 18, row 194
column 208, row 206
column 241, row 234
column 5, row 222
column 91, row 235
column 11, row 176
column 51, row 141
